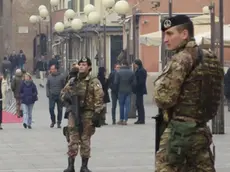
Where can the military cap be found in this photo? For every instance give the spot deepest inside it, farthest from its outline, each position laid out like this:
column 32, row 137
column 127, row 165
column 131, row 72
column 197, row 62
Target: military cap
column 85, row 59
column 174, row 21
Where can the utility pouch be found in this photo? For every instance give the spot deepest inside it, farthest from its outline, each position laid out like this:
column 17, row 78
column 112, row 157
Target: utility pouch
column 179, row 141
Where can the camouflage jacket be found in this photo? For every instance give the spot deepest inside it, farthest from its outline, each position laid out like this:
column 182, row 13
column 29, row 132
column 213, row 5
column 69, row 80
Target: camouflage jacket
column 190, row 88
column 90, row 103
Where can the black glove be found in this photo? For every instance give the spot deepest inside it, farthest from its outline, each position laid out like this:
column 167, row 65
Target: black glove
column 96, row 120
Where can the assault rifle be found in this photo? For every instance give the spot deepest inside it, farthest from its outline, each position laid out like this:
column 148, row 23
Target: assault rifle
column 158, row 131
column 72, row 104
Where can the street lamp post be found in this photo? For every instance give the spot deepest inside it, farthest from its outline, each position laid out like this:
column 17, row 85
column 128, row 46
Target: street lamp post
column 76, row 24
column 35, row 20
column 221, row 129
column 70, row 14
column 44, row 13
column 121, row 7
column 87, row 10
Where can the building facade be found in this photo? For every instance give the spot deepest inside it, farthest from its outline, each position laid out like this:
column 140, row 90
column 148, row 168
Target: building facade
column 5, row 27
column 23, row 32
column 89, row 40
column 149, row 21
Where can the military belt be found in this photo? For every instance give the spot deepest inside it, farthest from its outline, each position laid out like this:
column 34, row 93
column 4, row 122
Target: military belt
column 189, row 119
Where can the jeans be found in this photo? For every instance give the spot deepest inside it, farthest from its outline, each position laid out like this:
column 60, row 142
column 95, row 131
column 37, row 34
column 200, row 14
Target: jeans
column 27, row 114
column 140, row 107
column 124, row 102
column 114, row 105
column 21, row 66
column 53, row 99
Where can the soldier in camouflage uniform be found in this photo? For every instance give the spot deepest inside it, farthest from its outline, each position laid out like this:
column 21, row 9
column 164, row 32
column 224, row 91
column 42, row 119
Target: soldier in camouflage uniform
column 92, row 103
column 188, row 91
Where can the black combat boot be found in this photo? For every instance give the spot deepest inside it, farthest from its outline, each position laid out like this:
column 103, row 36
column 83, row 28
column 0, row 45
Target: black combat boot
column 70, row 167
column 84, row 166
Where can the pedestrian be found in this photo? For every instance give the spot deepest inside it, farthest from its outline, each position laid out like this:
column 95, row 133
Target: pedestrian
column 188, row 91
column 15, row 87
column 5, row 90
column 13, row 60
column 55, row 83
column 21, row 60
column 125, row 82
column 54, row 61
column 41, row 66
column 6, row 69
column 105, row 86
column 90, row 92
column 227, row 87
column 28, row 96
column 1, row 104
column 114, row 91
column 140, row 90
column 73, row 72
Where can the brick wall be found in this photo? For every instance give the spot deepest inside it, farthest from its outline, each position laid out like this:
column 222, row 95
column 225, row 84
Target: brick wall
column 21, row 11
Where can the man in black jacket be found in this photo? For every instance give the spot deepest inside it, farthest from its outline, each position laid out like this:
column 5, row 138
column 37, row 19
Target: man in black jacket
column 140, row 90
column 14, row 61
column 0, row 103
column 6, row 68
column 227, row 87
column 54, row 61
column 114, row 91
column 41, row 66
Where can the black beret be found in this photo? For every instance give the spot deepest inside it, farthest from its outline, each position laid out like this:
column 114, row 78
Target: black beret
column 174, row 21
column 85, row 59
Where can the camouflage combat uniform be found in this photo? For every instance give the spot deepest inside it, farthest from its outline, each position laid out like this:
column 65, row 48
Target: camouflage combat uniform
column 93, row 104
column 181, row 87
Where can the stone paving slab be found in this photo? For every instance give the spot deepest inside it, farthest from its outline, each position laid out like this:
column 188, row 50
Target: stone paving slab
column 114, row 148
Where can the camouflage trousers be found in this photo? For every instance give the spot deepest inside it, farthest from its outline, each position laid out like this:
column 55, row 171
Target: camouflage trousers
column 77, row 141
column 199, row 159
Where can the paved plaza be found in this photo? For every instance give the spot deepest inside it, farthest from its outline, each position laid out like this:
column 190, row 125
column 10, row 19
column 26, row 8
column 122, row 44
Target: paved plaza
column 114, row 148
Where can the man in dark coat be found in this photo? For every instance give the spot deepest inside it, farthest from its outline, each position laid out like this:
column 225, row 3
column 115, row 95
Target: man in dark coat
column 54, row 61
column 0, row 103
column 21, row 60
column 6, row 68
column 41, row 66
column 104, row 82
column 140, row 90
column 73, row 72
column 114, row 91
column 13, row 59
column 227, row 87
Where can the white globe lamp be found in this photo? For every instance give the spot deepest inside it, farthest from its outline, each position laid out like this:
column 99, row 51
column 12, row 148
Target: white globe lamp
column 59, row 27
column 94, row 17
column 76, row 24
column 88, row 9
column 205, row 10
column 43, row 13
column 108, row 3
column 54, row 3
column 70, row 14
column 122, row 7
column 33, row 19
column 41, row 7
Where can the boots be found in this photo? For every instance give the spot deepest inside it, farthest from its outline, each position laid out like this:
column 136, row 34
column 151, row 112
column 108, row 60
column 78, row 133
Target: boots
column 84, row 166
column 70, row 167
column 1, row 126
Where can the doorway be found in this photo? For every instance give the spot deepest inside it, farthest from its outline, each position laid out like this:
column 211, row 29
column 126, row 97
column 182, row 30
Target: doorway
column 116, row 47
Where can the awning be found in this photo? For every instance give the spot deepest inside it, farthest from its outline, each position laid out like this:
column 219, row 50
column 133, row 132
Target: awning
column 203, row 20
column 154, row 38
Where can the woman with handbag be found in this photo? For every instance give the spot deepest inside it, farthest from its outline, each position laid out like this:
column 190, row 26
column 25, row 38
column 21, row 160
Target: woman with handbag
column 28, row 95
